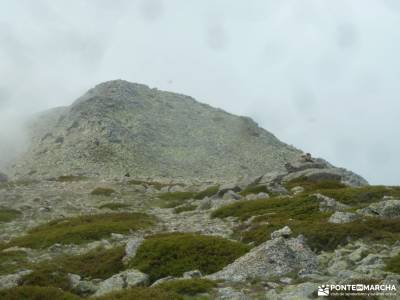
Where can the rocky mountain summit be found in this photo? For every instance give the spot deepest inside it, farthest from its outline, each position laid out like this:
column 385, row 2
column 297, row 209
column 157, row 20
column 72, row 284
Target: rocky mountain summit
column 120, row 127
column 133, row 193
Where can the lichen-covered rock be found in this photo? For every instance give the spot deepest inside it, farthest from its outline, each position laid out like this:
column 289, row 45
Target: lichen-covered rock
column 385, row 209
column 285, row 232
column 131, row 247
column 12, row 280
column 327, row 204
column 340, row 217
column 275, row 257
column 125, row 279
column 229, row 293
column 192, row 274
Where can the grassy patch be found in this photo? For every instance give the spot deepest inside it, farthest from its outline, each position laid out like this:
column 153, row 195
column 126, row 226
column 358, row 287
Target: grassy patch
column 36, row 293
column 173, row 254
column 8, row 214
column 302, row 215
column 254, row 189
column 313, row 185
column 155, row 184
column 114, row 206
column 102, row 191
column 393, row 264
column 98, row 263
column 82, row 229
column 208, row 192
column 189, row 287
column 174, row 199
column 141, row 294
column 362, row 196
column 183, row 208
column 12, row 261
column 70, row 178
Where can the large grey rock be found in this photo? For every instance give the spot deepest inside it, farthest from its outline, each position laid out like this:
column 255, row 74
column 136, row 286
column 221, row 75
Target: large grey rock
column 302, row 291
column 285, row 232
column 228, row 293
column 192, row 274
column 385, row 209
column 340, row 217
column 327, row 204
column 125, row 279
column 131, row 248
column 275, row 257
column 12, row 280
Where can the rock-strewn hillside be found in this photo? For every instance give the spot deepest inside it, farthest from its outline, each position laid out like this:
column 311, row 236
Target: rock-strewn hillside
column 120, row 127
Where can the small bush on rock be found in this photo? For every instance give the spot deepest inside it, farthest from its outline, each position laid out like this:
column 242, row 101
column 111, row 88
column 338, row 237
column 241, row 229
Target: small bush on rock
column 173, row 254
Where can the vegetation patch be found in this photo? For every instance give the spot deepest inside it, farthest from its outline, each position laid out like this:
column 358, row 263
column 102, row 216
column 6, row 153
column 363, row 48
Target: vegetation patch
column 141, row 294
column 155, row 184
column 393, row 264
column 98, row 263
column 103, row 191
column 173, row 254
column 254, row 189
column 82, row 229
column 114, row 206
column 208, row 192
column 174, row 199
column 302, row 215
column 313, row 185
column 36, row 293
column 183, row 208
column 8, row 214
column 70, row 178
column 189, row 287
column 12, row 261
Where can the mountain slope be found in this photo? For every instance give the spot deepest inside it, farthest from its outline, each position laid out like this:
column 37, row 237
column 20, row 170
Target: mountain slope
column 120, row 127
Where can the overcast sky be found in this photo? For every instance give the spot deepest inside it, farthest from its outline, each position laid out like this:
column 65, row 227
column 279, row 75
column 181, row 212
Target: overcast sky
column 321, row 75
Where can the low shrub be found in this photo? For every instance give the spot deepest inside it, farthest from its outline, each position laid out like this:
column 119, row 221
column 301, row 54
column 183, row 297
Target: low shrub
column 183, row 208
column 12, row 261
column 173, row 254
column 82, row 229
column 98, row 263
column 208, row 192
column 8, row 214
column 188, row 287
column 36, row 293
column 141, row 294
column 114, row 206
column 254, row 189
column 174, row 199
column 102, row 191
column 393, row 264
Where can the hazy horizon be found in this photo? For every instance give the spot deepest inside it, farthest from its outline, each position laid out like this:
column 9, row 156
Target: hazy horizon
column 322, row 76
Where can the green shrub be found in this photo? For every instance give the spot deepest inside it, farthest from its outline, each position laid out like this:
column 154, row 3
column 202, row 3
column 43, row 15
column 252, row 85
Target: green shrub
column 362, row 196
column 8, row 215
column 98, row 263
column 187, row 207
column 254, row 189
column 36, row 293
column 314, row 185
column 173, row 254
column 188, row 287
column 12, row 261
column 208, row 192
column 102, row 191
column 302, row 215
column 174, row 199
column 141, row 294
column 114, row 206
column 393, row 264
column 70, row 178
column 82, row 229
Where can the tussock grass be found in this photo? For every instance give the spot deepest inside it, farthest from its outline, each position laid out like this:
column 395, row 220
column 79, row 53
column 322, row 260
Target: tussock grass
column 187, row 207
column 36, row 293
column 114, row 206
column 173, row 254
column 393, row 264
column 12, row 261
column 102, row 191
column 82, row 229
column 141, row 294
column 8, row 214
column 188, row 287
